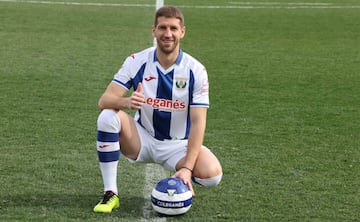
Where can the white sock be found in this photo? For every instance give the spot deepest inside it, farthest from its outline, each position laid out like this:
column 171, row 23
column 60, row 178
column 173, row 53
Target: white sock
column 109, row 175
column 209, row 182
column 108, row 148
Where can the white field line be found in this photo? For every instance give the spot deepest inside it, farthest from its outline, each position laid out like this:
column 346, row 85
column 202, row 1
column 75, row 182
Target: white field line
column 81, row 3
column 153, row 172
column 280, row 3
column 159, row 4
column 233, row 5
column 272, row 7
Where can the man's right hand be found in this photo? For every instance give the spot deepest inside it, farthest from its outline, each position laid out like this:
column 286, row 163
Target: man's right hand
column 137, row 98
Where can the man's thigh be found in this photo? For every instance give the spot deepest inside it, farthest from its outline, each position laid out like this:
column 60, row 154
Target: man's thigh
column 129, row 137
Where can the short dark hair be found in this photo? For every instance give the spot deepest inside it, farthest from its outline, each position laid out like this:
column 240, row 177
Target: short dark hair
column 169, row 12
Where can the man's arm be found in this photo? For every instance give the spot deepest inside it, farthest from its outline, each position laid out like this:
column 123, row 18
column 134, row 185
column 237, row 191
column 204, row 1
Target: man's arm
column 185, row 167
column 114, row 98
column 196, row 135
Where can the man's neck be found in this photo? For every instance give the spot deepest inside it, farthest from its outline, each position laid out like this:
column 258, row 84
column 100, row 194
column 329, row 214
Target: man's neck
column 167, row 60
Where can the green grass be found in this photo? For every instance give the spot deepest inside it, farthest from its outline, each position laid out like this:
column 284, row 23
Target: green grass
column 284, row 117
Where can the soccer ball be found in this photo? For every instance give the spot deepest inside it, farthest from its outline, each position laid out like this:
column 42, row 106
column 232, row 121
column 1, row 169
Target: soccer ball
column 171, row 196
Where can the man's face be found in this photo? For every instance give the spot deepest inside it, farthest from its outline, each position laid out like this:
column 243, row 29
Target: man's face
column 168, row 33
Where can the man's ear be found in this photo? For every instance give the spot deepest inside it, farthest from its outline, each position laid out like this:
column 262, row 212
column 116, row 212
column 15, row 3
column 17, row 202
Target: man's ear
column 153, row 31
column 183, row 30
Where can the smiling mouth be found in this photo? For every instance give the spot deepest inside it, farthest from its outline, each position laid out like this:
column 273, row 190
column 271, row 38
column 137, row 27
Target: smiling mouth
column 167, row 41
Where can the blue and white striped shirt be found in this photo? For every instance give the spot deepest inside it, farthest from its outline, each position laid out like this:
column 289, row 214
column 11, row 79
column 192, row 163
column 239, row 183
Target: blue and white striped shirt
column 168, row 93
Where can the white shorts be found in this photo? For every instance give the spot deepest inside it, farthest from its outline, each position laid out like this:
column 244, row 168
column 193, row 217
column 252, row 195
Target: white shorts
column 166, row 153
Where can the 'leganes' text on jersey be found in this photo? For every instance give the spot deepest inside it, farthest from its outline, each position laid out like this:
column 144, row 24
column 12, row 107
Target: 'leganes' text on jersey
column 168, row 93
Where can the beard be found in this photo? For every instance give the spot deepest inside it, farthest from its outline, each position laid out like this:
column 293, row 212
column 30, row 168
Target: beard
column 167, row 48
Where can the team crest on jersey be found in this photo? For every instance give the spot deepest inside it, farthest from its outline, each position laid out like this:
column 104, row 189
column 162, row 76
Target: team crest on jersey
column 181, row 83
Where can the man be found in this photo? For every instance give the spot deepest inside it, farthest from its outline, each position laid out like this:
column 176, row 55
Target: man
column 171, row 98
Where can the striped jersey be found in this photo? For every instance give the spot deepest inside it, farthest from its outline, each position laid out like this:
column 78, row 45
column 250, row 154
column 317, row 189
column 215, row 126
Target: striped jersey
column 168, row 93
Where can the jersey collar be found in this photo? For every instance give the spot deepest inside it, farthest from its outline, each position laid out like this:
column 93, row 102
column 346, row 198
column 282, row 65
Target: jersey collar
column 178, row 59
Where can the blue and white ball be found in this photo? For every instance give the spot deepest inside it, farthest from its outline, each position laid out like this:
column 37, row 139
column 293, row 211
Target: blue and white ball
column 171, row 196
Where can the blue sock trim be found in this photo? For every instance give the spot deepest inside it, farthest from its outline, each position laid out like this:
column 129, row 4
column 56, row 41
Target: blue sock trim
column 109, row 156
column 107, row 137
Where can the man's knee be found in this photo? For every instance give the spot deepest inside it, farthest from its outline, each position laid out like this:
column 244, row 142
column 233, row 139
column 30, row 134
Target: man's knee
column 109, row 121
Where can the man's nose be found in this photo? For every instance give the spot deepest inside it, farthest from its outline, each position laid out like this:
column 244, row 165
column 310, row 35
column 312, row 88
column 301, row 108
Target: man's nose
column 168, row 32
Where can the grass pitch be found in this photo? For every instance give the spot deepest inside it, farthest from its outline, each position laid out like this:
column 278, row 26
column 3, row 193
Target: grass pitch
column 284, row 117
